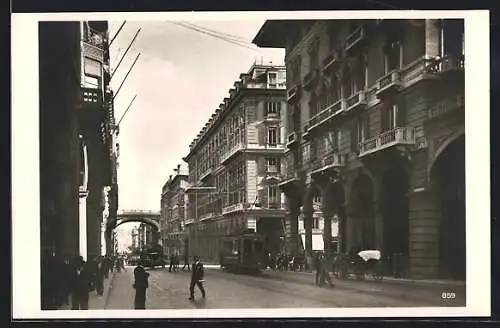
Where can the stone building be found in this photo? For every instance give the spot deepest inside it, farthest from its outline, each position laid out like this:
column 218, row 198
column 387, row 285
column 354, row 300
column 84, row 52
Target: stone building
column 375, row 130
column 173, row 200
column 239, row 154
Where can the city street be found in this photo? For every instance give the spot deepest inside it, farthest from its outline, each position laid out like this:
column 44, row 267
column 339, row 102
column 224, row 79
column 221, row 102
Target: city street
column 273, row 290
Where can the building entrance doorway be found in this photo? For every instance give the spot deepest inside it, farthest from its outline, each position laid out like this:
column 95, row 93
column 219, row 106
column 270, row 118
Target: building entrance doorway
column 448, row 178
column 272, row 230
column 362, row 211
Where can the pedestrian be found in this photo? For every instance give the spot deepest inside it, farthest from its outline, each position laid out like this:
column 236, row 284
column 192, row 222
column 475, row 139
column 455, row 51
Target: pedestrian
column 80, row 284
column 186, row 263
column 140, row 286
column 197, row 275
column 317, row 267
column 325, row 271
column 172, row 263
column 99, row 277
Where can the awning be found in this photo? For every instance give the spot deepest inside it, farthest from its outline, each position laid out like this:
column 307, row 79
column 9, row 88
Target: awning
column 317, row 242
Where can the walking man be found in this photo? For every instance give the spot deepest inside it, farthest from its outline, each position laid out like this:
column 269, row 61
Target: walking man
column 80, row 284
column 197, row 275
column 140, row 285
column 325, row 271
column 186, row 263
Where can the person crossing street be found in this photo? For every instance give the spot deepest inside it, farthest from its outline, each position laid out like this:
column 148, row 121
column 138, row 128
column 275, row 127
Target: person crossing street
column 197, row 275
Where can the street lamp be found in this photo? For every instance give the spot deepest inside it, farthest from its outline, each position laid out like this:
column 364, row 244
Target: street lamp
column 198, row 190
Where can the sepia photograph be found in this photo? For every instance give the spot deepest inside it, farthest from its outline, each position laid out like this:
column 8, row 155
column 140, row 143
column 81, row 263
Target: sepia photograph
column 268, row 163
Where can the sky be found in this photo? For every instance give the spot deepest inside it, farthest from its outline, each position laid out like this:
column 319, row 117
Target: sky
column 181, row 77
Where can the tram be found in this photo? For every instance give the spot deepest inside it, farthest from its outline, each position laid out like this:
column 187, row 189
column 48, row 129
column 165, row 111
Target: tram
column 243, row 252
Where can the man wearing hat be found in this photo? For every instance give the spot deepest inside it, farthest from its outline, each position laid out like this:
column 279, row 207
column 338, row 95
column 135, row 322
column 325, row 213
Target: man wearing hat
column 140, row 285
column 197, row 275
column 80, row 284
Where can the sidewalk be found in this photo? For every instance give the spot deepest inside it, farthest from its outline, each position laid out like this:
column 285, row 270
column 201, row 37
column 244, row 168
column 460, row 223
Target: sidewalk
column 96, row 302
column 308, row 277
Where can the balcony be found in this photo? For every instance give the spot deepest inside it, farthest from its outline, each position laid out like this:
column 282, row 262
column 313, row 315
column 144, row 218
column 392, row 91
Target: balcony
column 388, row 84
column 450, row 64
column 397, row 136
column 293, row 93
column 289, row 176
column 331, row 160
column 291, row 139
column 355, row 38
column 306, row 133
column 206, row 216
column 327, row 114
column 309, row 79
column 446, row 106
column 330, row 61
column 357, row 100
column 272, row 117
column 275, row 205
column 232, row 208
column 232, row 152
column 188, row 222
column 207, row 173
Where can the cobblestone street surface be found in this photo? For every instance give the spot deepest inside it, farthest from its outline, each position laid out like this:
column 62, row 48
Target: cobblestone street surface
column 275, row 290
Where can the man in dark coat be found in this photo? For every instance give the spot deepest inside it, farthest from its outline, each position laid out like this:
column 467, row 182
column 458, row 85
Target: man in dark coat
column 99, row 276
column 140, row 285
column 197, row 275
column 80, row 284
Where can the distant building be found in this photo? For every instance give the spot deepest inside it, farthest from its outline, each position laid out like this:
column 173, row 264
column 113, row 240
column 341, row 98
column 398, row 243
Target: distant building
column 173, row 200
column 239, row 152
column 376, row 137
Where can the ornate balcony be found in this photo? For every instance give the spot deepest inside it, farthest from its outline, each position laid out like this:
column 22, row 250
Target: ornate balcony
column 331, row 61
column 326, row 115
column 357, row 100
column 397, row 136
column 310, row 79
column 388, row 84
column 291, row 139
column 293, row 93
column 445, row 106
column 355, row 38
column 233, row 208
column 232, row 152
column 207, row 173
column 331, row 160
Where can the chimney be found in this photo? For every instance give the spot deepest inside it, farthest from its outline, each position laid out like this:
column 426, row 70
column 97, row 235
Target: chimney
column 178, row 169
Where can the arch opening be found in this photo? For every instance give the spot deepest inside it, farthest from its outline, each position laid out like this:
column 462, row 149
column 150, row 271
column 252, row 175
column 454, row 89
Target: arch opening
column 448, row 179
column 362, row 214
column 395, row 213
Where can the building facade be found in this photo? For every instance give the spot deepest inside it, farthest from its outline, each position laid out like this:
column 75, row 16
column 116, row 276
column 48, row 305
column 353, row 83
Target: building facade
column 173, row 213
column 239, row 153
column 375, row 130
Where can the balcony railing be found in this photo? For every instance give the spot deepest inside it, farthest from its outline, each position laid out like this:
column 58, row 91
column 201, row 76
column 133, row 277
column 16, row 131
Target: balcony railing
column 233, row 208
column 306, row 134
column 272, row 117
column 388, row 83
column 206, row 173
column 291, row 139
column 326, row 114
column 331, row 160
column 397, row 136
column 331, row 60
column 310, row 78
column 206, row 216
column 275, row 205
column 233, row 151
column 445, row 106
column 355, row 101
column 293, row 93
column 355, row 38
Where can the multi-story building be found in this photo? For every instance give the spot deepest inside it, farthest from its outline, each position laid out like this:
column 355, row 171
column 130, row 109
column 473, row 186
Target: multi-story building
column 375, row 129
column 173, row 200
column 77, row 161
column 239, row 153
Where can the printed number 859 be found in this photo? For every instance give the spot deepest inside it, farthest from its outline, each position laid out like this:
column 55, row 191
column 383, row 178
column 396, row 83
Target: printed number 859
column 448, row 295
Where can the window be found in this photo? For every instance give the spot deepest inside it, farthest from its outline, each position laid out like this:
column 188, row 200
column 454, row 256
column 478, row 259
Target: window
column 296, row 71
column 272, row 135
column 306, row 152
column 330, row 141
column 272, row 80
column 315, row 223
column 391, row 117
column 273, row 194
column 90, row 82
column 273, row 107
column 273, row 165
column 359, row 133
column 317, row 199
column 392, row 55
column 452, row 37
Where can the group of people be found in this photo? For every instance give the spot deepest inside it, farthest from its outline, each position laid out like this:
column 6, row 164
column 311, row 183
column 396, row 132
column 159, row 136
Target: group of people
column 141, row 281
column 65, row 279
column 284, row 262
column 174, row 263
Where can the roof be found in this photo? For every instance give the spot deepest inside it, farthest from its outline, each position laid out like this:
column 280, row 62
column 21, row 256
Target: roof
column 269, row 35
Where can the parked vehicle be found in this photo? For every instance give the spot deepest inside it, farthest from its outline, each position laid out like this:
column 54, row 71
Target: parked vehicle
column 243, row 252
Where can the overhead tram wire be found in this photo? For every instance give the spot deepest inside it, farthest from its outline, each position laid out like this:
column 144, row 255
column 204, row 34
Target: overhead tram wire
column 235, row 37
column 235, row 42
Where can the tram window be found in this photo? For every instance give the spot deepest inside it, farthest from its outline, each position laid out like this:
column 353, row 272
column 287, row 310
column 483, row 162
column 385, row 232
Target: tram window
column 247, row 246
column 258, row 245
